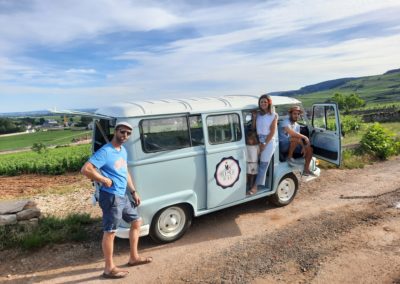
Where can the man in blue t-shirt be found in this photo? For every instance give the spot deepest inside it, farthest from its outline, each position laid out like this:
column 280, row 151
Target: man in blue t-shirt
column 292, row 141
column 108, row 166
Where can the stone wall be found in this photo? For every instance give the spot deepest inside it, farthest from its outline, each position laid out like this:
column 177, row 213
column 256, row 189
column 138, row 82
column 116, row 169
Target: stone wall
column 382, row 116
column 23, row 212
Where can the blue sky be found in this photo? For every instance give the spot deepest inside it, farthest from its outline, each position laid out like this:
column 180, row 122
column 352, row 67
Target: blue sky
column 87, row 54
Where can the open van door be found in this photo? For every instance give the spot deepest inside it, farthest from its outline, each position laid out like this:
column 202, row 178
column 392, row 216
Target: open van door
column 326, row 133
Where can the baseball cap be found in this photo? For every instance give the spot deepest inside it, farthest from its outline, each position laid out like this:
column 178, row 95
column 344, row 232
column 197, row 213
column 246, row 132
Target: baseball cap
column 124, row 123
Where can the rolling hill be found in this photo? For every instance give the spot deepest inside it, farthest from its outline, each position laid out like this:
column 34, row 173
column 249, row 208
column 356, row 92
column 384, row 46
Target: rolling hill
column 377, row 89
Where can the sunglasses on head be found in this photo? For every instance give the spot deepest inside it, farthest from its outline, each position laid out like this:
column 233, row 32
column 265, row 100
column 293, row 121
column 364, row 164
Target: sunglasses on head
column 125, row 132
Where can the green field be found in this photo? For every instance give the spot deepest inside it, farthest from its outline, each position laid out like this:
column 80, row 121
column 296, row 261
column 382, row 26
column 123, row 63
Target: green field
column 53, row 161
column 54, row 137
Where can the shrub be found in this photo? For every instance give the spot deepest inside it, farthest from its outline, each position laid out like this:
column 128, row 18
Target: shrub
column 351, row 123
column 379, row 142
column 39, row 148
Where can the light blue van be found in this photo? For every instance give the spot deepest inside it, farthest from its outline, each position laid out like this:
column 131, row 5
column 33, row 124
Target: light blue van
column 188, row 156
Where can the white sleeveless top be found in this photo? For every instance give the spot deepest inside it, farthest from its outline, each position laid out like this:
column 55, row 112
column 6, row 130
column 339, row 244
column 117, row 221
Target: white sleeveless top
column 263, row 123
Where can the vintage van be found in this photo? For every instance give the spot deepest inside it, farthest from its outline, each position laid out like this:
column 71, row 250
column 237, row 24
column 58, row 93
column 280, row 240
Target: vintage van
column 188, row 156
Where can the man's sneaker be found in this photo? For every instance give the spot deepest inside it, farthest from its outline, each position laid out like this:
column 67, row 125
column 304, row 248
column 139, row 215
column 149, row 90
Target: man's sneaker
column 292, row 162
column 312, row 174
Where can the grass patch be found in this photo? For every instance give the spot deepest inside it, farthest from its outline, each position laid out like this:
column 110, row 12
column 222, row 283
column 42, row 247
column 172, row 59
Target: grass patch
column 55, row 137
column 354, row 137
column 351, row 159
column 50, row 230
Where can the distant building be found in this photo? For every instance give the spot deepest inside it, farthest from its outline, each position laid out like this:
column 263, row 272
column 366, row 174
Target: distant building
column 50, row 123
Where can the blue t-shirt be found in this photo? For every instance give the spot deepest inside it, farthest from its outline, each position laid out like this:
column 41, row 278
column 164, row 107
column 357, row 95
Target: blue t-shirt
column 284, row 137
column 112, row 164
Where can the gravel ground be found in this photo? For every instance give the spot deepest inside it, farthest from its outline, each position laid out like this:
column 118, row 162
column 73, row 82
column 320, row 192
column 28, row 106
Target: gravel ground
column 341, row 228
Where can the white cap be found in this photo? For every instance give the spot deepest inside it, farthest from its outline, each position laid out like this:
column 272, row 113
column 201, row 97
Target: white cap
column 124, row 123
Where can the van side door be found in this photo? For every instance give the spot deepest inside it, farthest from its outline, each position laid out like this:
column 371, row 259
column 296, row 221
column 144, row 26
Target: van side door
column 326, row 133
column 225, row 158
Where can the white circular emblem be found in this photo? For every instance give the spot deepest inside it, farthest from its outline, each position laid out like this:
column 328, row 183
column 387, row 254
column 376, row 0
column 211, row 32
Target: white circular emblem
column 227, row 172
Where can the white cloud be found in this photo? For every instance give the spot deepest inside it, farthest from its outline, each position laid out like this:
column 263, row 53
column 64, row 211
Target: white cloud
column 231, row 48
column 81, row 71
column 47, row 22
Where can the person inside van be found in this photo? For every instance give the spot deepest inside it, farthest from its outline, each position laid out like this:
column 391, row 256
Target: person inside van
column 265, row 123
column 292, row 141
column 253, row 151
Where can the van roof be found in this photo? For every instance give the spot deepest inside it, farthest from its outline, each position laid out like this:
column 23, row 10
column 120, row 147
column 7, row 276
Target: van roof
column 190, row 105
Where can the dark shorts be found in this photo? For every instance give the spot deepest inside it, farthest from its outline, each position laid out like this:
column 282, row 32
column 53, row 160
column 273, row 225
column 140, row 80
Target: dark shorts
column 284, row 147
column 116, row 208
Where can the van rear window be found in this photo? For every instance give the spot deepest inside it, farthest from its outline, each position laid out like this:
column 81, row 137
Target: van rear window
column 162, row 134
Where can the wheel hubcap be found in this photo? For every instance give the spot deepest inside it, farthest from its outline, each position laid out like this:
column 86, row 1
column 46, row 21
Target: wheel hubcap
column 286, row 189
column 171, row 221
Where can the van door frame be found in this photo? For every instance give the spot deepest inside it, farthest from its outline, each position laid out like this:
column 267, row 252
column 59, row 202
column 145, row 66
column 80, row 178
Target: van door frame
column 229, row 157
column 326, row 142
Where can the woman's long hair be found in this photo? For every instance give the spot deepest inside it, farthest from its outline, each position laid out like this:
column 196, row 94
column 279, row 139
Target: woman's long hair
column 268, row 98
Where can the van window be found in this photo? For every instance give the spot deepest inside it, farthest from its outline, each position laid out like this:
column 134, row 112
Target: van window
column 161, row 134
column 223, row 128
column 324, row 117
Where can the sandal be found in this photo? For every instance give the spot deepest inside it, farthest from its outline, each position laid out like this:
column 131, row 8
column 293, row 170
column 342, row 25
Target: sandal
column 141, row 261
column 115, row 274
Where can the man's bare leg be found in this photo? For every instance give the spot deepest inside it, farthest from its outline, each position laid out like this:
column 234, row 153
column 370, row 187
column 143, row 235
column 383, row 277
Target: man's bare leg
column 107, row 245
column 308, row 157
column 134, row 240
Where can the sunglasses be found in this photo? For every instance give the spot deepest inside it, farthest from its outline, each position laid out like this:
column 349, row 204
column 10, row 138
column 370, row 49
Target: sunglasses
column 125, row 132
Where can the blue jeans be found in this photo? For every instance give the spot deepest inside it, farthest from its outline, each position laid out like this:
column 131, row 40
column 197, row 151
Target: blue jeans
column 265, row 159
column 116, row 208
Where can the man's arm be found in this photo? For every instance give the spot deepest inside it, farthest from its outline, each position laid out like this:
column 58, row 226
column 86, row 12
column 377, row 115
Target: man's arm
column 90, row 171
column 294, row 134
column 132, row 189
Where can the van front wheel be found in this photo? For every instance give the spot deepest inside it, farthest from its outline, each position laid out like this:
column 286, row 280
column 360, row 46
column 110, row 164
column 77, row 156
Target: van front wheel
column 169, row 224
column 286, row 190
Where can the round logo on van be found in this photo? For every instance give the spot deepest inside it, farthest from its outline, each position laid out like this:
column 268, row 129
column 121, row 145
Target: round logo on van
column 227, row 172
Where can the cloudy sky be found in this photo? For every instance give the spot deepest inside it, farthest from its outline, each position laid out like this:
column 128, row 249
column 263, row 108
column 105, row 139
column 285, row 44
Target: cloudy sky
column 90, row 53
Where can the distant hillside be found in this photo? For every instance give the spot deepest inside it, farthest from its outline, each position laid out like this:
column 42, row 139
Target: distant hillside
column 37, row 113
column 376, row 89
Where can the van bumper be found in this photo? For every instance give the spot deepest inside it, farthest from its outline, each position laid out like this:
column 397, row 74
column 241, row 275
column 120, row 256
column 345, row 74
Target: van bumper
column 123, row 233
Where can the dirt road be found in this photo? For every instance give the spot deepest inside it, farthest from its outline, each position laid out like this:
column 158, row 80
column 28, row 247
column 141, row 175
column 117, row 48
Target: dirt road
column 342, row 228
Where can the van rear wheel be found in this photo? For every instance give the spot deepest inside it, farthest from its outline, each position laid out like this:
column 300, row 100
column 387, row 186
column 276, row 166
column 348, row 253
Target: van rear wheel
column 286, row 191
column 170, row 223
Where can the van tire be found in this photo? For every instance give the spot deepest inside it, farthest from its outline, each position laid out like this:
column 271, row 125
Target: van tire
column 170, row 223
column 286, row 190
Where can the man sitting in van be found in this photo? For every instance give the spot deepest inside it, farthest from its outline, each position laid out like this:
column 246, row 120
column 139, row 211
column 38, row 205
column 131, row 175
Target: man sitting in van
column 292, row 141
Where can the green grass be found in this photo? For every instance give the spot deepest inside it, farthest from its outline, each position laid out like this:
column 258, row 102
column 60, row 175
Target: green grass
column 50, row 230
column 355, row 137
column 54, row 137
